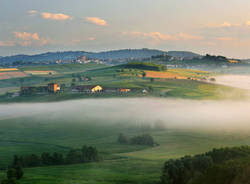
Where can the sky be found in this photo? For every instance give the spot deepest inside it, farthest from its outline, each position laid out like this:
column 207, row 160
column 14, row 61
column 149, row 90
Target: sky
column 219, row 27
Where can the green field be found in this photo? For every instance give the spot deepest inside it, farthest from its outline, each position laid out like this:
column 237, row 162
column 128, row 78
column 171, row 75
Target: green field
column 63, row 126
column 39, row 133
column 190, row 84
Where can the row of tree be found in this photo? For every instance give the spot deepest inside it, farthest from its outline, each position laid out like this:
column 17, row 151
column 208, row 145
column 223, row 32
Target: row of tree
column 86, row 154
column 193, row 169
column 144, row 139
column 146, row 66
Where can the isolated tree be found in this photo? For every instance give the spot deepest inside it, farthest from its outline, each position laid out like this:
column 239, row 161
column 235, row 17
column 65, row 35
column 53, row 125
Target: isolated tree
column 143, row 74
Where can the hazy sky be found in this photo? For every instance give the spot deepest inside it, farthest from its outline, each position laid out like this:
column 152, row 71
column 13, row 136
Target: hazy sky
column 203, row 26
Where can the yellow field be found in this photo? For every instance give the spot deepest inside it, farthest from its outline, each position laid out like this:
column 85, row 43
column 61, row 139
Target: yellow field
column 37, row 72
column 8, row 69
column 178, row 74
column 9, row 75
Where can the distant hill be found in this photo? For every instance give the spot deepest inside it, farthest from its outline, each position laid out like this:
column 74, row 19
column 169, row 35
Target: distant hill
column 108, row 55
column 72, row 55
column 49, row 56
column 183, row 54
column 128, row 53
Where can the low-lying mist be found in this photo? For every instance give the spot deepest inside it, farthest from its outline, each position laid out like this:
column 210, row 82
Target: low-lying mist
column 238, row 81
column 169, row 113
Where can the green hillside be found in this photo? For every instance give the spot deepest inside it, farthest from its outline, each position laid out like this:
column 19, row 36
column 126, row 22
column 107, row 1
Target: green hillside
column 178, row 83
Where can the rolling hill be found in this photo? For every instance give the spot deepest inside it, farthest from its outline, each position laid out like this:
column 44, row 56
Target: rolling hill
column 183, row 54
column 112, row 55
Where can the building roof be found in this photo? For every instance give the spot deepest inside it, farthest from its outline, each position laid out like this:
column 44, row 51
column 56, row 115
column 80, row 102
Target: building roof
column 85, row 87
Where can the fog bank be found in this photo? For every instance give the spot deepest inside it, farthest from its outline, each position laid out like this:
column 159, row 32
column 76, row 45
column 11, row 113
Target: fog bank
column 238, row 81
column 172, row 113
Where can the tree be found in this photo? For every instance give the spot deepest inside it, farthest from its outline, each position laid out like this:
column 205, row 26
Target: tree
column 57, row 158
column 10, row 181
column 11, row 173
column 46, row 159
column 32, row 160
column 144, row 74
column 122, row 139
column 144, row 139
column 63, row 86
column 19, row 172
column 73, row 157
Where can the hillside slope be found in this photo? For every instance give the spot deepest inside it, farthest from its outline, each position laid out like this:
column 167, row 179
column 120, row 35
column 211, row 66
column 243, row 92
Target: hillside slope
column 113, row 55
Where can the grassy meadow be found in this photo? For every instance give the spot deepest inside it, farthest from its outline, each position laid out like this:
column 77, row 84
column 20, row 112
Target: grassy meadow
column 173, row 83
column 50, row 132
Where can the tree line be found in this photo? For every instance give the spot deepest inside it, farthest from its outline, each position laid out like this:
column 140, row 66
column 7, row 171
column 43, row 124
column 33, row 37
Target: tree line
column 144, row 139
column 217, row 165
column 85, row 154
column 15, row 172
column 146, row 66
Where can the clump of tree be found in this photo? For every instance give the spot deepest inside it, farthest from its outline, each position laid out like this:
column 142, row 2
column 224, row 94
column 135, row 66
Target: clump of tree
column 215, row 58
column 219, row 166
column 86, row 154
column 146, row 66
column 14, row 173
column 144, row 139
column 122, row 139
column 212, row 79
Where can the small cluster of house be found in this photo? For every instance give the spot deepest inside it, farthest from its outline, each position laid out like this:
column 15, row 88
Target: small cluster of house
column 50, row 88
column 98, row 89
column 89, row 89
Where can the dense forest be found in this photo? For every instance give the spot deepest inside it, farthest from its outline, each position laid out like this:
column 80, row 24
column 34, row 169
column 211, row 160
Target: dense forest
column 219, row 166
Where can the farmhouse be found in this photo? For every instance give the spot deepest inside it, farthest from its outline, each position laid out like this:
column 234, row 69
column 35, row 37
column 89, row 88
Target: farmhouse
column 125, row 90
column 30, row 90
column 53, row 87
column 87, row 89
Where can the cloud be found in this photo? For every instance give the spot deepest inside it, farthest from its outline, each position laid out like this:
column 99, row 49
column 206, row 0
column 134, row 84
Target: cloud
column 27, row 36
column 211, row 44
column 7, row 44
column 32, row 12
column 92, row 38
column 224, row 38
column 54, row 16
column 185, row 36
column 28, row 39
column 224, row 25
column 96, row 20
column 157, row 36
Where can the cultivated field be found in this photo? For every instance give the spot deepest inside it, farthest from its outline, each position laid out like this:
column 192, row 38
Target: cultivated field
column 9, row 75
column 8, row 69
column 179, row 74
column 40, row 72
